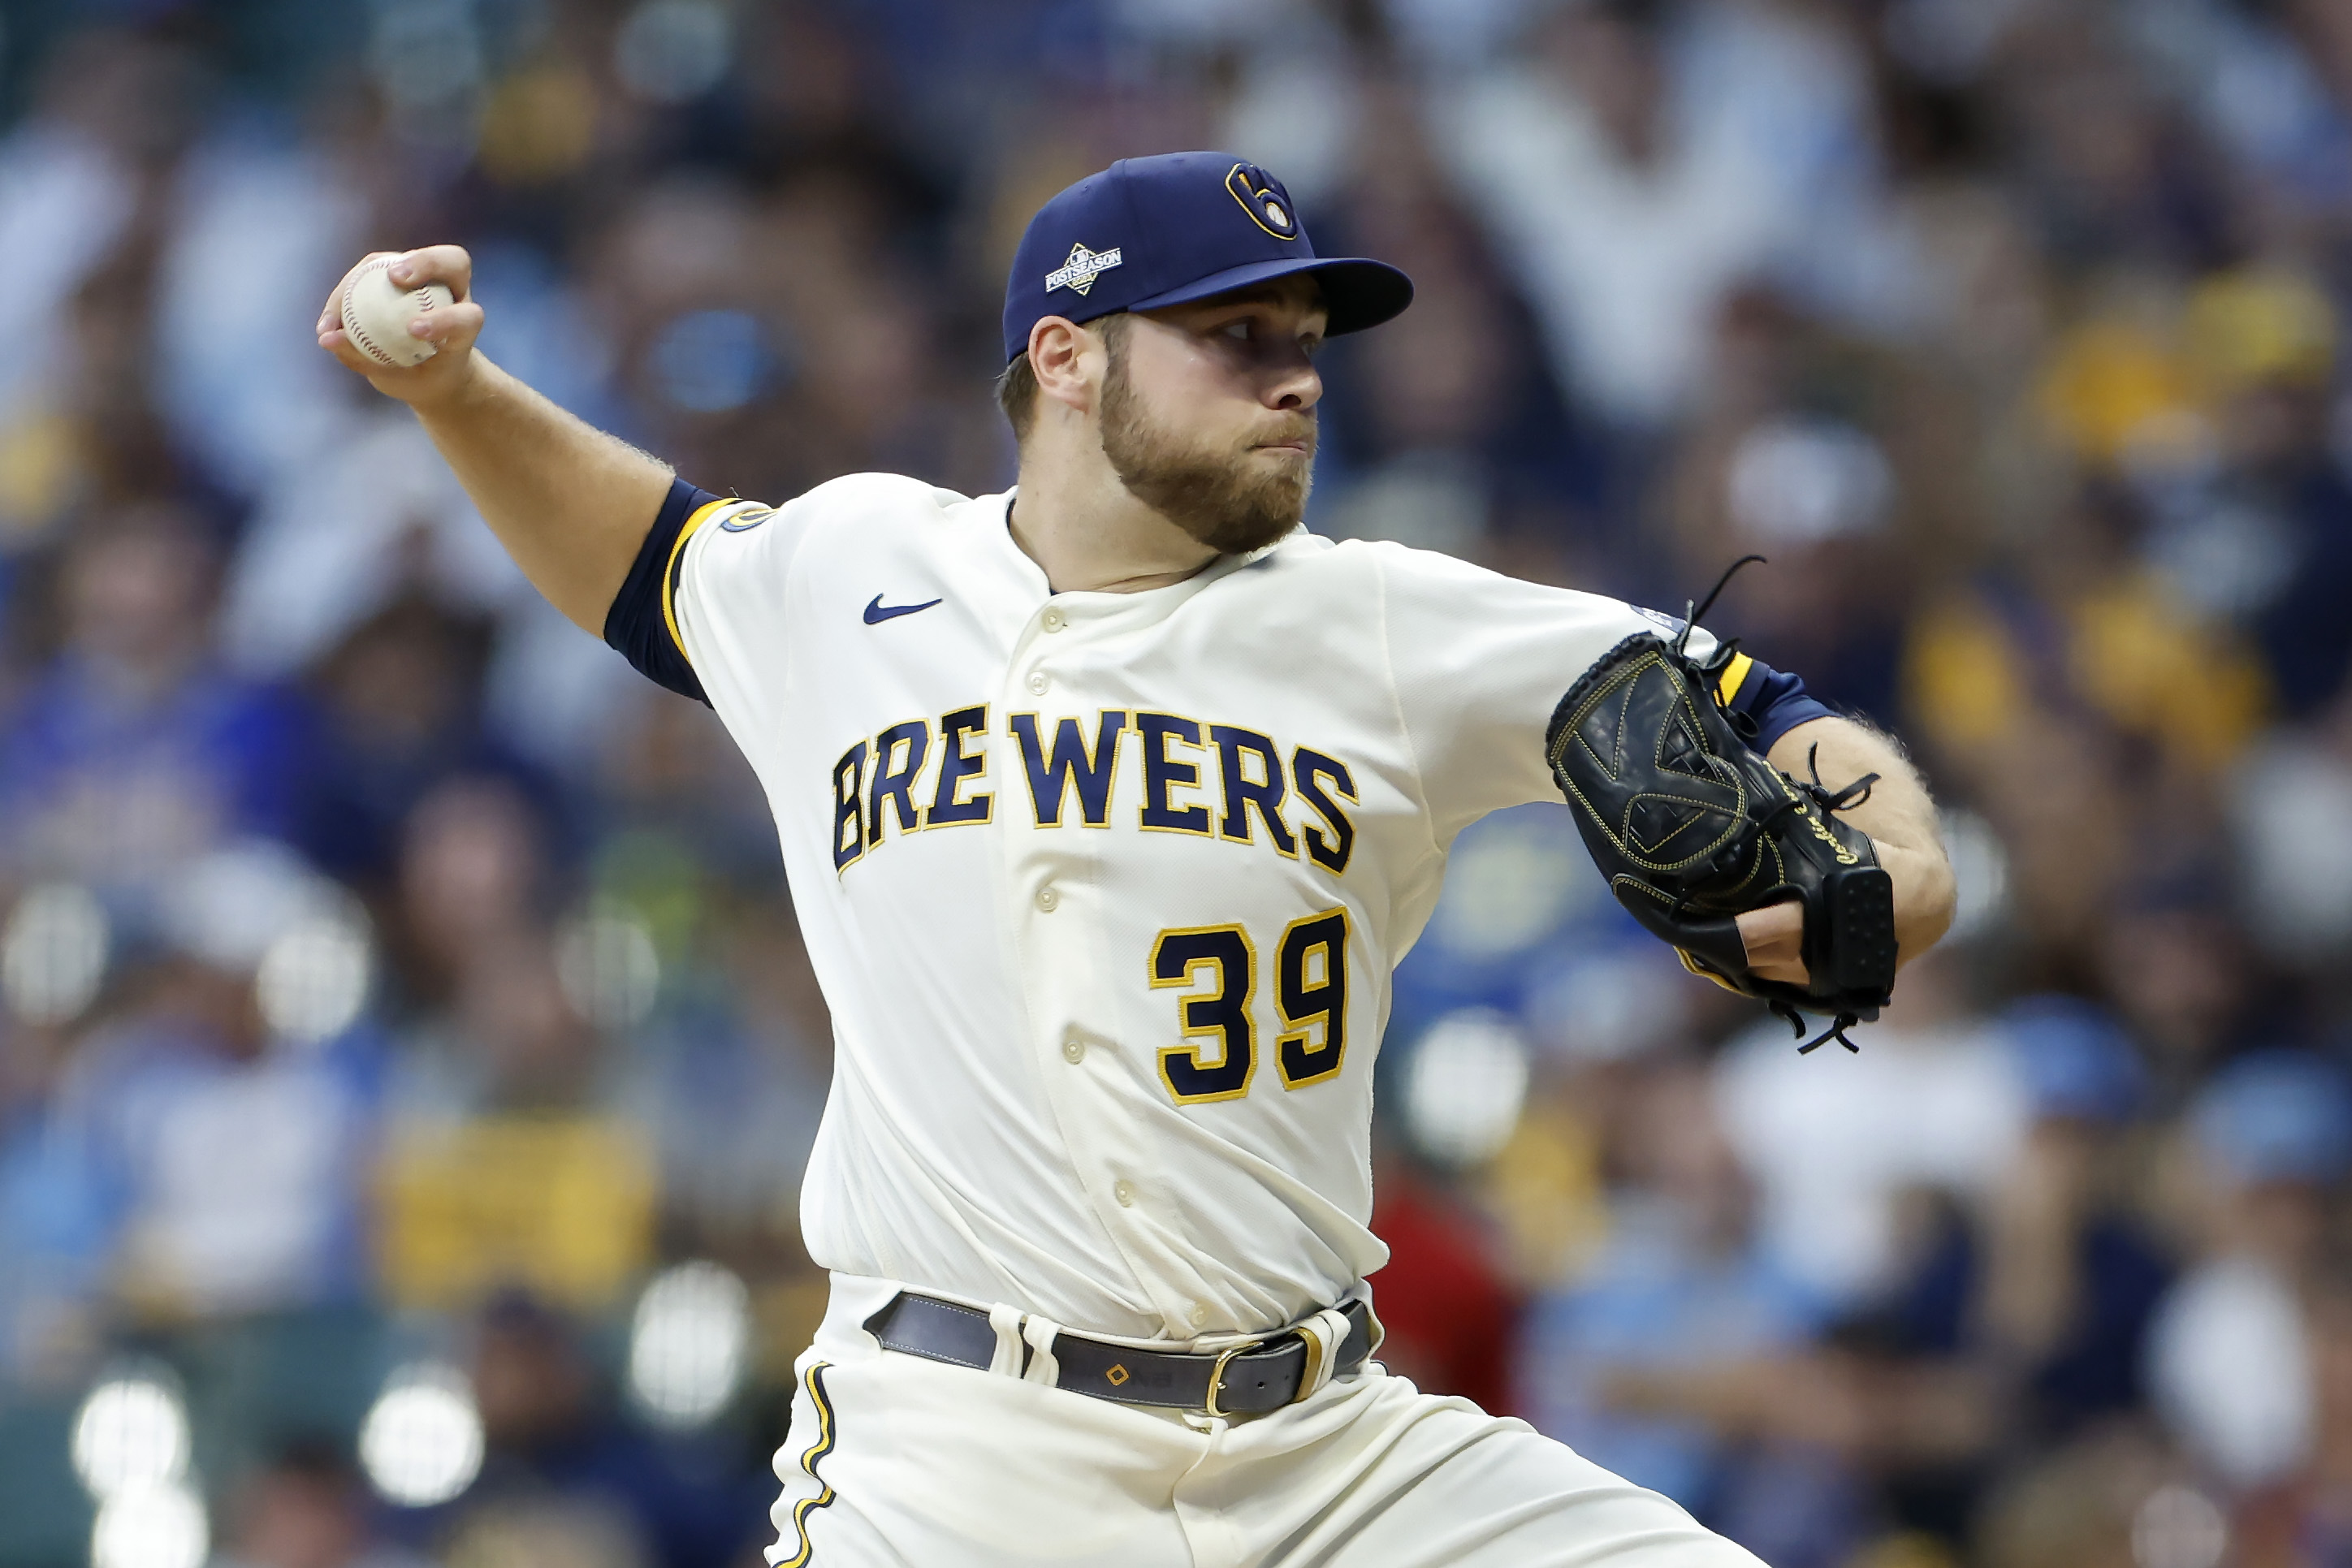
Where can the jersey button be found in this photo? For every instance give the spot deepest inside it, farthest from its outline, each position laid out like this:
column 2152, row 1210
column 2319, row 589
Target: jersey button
column 1199, row 1314
column 1038, row 682
column 1125, row 1193
column 1073, row 1049
column 1047, row 898
column 1053, row 619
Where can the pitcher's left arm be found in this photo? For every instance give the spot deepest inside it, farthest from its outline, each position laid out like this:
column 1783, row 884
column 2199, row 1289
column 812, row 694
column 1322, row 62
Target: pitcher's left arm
column 1900, row 821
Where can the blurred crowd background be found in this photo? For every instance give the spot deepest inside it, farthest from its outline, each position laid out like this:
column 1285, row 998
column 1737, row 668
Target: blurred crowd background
column 409, row 1054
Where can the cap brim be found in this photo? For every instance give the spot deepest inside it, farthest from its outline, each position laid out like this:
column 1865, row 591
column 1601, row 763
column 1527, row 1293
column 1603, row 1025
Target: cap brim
column 1357, row 293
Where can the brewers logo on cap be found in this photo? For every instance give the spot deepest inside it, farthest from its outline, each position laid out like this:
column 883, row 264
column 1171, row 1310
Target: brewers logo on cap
column 1264, row 199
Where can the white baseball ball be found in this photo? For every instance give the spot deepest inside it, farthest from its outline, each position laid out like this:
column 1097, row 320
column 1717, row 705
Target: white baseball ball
column 377, row 311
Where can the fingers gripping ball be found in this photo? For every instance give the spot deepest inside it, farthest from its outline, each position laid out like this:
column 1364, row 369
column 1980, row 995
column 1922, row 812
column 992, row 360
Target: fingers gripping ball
column 377, row 311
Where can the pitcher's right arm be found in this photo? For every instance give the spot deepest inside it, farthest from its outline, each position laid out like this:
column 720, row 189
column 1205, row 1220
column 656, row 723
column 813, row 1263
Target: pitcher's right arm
column 571, row 504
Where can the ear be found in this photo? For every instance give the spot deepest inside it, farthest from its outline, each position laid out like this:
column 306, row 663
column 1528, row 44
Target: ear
column 1065, row 358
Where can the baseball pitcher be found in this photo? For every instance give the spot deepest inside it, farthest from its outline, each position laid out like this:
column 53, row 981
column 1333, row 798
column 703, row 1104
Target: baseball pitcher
column 1108, row 805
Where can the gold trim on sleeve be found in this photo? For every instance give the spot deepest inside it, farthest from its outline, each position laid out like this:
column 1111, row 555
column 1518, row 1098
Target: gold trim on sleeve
column 1735, row 676
column 694, row 521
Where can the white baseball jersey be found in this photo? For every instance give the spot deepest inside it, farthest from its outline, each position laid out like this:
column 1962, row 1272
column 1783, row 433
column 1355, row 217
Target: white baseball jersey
column 1105, row 889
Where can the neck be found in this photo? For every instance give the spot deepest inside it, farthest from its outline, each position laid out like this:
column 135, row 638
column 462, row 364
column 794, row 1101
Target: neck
column 1091, row 535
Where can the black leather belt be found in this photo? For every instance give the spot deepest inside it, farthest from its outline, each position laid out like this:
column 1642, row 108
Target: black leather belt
column 1247, row 1379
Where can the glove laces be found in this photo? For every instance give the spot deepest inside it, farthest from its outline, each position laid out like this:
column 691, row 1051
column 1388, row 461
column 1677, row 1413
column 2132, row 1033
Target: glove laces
column 1821, row 794
column 1844, row 800
column 1693, row 611
column 1836, row 1031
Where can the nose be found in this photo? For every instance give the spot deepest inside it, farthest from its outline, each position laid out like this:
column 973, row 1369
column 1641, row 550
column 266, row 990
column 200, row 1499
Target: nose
column 1298, row 388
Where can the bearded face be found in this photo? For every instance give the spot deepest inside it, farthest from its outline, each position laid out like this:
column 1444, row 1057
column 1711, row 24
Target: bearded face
column 1230, row 494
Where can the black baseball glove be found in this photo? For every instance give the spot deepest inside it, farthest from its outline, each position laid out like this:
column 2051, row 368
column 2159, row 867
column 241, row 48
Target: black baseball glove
column 1692, row 828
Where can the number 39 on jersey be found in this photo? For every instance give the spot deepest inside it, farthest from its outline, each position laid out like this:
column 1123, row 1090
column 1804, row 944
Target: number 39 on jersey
column 1214, row 971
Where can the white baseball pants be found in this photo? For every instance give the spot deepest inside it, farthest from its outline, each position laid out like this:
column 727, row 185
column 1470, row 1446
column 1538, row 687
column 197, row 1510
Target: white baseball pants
column 894, row 1462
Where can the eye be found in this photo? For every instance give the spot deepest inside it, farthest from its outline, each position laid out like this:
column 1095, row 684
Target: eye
column 1239, row 331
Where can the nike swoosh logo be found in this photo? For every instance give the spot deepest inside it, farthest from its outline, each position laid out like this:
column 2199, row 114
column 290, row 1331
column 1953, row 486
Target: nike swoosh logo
column 877, row 612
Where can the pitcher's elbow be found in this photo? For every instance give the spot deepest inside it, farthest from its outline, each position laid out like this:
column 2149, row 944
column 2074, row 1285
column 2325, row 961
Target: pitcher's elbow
column 1926, row 898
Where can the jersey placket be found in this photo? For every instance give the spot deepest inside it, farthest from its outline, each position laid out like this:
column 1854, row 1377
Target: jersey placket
column 1065, row 933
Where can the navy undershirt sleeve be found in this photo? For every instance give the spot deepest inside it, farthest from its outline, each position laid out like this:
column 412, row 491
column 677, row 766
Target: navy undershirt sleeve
column 1777, row 702
column 635, row 624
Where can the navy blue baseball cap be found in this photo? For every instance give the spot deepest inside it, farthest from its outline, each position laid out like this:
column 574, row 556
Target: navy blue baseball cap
column 1151, row 232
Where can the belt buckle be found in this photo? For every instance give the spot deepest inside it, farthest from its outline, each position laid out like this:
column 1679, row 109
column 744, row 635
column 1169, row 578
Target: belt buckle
column 1217, row 1375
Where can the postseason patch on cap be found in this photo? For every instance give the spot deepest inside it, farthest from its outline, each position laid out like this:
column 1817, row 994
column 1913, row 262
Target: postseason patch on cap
column 1080, row 272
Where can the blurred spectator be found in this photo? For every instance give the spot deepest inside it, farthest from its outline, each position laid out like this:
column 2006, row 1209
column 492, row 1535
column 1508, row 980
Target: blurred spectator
column 2231, row 1358
column 278, row 217
column 1833, row 1143
column 2290, row 807
column 1544, row 1190
column 1638, row 160
column 231, row 1156
column 2179, row 969
column 306, row 1507
column 732, row 1099
column 1772, row 463
column 56, row 1229
column 133, row 753
column 2080, row 632
column 350, row 528
column 1447, row 1311
column 2020, row 1319
column 2308, row 1517
column 2116, row 1497
column 672, row 783
column 399, row 710
column 723, row 1044
column 544, row 1532
column 515, row 1041
column 1521, row 926
column 559, row 1459
column 2247, row 75
column 504, row 1163
column 2265, row 535
column 113, row 108
column 2061, row 1278
column 473, row 875
column 1681, row 1290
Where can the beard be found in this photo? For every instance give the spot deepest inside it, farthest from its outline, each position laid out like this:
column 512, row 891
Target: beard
column 1213, row 495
